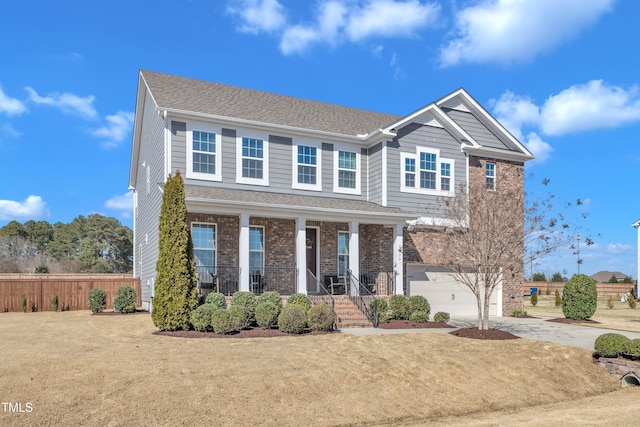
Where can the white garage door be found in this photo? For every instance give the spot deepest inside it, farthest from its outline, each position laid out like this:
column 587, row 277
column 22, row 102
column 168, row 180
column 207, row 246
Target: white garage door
column 445, row 293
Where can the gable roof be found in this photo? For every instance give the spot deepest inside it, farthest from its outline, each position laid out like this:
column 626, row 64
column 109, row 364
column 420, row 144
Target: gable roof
column 180, row 94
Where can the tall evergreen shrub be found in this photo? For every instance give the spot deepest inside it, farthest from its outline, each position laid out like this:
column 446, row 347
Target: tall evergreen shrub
column 175, row 287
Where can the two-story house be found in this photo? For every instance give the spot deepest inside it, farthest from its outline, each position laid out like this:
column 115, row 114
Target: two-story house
column 295, row 195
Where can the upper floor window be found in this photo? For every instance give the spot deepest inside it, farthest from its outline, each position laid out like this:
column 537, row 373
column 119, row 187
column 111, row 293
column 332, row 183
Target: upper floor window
column 252, row 160
column 203, row 152
column 490, row 175
column 346, row 171
column 426, row 172
column 307, row 166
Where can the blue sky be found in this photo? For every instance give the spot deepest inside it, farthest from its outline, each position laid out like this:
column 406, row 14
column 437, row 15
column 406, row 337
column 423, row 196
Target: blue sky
column 562, row 75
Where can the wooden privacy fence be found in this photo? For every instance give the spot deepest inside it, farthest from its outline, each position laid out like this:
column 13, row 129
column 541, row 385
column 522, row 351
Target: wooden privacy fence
column 72, row 290
column 604, row 289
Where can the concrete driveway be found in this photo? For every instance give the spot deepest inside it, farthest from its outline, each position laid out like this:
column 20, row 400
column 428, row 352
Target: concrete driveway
column 536, row 328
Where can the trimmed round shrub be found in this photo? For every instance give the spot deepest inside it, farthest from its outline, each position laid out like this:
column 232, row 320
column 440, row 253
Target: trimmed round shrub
column 441, row 317
column 633, row 348
column 216, row 299
column 419, row 316
column 419, row 303
column 321, row 317
column 300, row 299
column 221, row 321
column 292, row 319
column 611, row 345
column 201, row 318
column 247, row 300
column 267, row 314
column 400, row 307
column 380, row 307
column 125, row 300
column 579, row 297
column 242, row 317
column 97, row 300
column 272, row 297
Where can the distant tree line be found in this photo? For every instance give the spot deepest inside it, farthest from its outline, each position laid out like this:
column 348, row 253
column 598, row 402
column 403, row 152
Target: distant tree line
column 91, row 244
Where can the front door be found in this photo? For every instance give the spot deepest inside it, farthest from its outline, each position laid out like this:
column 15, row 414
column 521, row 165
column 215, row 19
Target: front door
column 312, row 250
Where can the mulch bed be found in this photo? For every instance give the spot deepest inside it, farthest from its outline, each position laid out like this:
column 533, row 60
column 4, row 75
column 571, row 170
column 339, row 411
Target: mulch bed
column 245, row 333
column 117, row 313
column 405, row 324
column 571, row 321
column 485, row 334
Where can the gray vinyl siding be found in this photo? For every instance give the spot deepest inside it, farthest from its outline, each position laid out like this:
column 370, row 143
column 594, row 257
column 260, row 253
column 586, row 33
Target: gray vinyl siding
column 280, row 162
column 327, row 167
column 375, row 173
column 228, row 155
column 179, row 147
column 147, row 217
column 417, row 135
column 478, row 131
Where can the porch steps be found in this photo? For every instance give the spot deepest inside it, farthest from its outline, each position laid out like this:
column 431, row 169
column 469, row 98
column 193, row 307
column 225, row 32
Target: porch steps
column 348, row 314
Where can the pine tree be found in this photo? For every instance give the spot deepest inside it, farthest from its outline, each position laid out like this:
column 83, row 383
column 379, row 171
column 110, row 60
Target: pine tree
column 175, row 286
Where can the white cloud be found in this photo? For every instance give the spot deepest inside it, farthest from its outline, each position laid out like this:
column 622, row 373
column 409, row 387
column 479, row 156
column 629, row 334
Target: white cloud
column 117, row 129
column 508, row 31
column 11, row 106
column 620, row 248
column 589, row 106
column 541, row 149
column 33, row 207
column 68, row 103
column 123, row 203
column 259, row 15
column 9, row 131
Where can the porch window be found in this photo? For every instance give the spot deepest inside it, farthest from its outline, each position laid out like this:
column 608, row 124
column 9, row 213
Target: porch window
column 343, row 253
column 490, row 175
column 252, row 158
column 256, row 250
column 204, row 245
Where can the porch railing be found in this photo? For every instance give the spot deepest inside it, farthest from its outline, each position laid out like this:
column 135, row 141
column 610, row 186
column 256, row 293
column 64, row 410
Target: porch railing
column 221, row 278
column 318, row 293
column 362, row 298
column 378, row 282
column 283, row 280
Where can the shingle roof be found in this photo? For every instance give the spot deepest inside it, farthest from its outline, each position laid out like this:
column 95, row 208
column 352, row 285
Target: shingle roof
column 180, row 93
column 289, row 201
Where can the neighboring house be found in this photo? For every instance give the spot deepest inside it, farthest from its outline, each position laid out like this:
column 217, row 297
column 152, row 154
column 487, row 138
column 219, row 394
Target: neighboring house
column 294, row 195
column 605, row 276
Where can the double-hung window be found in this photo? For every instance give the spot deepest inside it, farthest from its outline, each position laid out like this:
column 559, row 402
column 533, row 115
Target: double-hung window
column 306, row 169
column 204, row 247
column 203, row 152
column 256, row 250
column 343, row 253
column 252, row 159
column 490, row 175
column 346, row 171
column 425, row 172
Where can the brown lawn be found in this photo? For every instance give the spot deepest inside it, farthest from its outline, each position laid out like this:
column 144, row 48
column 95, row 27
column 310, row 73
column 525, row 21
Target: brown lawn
column 78, row 369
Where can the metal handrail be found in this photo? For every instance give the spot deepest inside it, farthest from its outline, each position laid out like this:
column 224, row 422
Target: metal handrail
column 360, row 298
column 322, row 294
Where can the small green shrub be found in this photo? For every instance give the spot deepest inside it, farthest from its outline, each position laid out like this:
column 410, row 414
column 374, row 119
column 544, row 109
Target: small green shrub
column 547, row 292
column 518, row 313
column 534, row 299
column 631, row 301
column 400, row 307
column 292, row 319
column 321, row 317
column 216, row 299
column 247, row 300
column 221, row 321
column 419, row 316
column 267, row 314
column 23, row 302
column 271, row 296
column 54, row 303
column 201, row 317
column 419, row 303
column 558, row 299
column 633, row 348
column 300, row 299
column 125, row 300
column 97, row 300
column 380, row 307
column 241, row 316
column 441, row 317
column 611, row 344
column 579, row 297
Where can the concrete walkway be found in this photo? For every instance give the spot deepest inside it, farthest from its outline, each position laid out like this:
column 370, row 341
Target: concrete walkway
column 536, row 328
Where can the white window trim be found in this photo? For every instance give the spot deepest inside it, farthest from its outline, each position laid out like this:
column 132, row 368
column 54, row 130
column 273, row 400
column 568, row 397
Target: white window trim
column 343, row 254
column 428, row 191
column 215, row 242
column 264, row 249
column 264, row 181
column 294, row 161
column 352, row 149
column 495, row 176
column 204, row 127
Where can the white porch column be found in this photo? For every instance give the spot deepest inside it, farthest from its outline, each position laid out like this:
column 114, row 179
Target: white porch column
column 243, row 254
column 301, row 254
column 398, row 260
column 354, row 253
